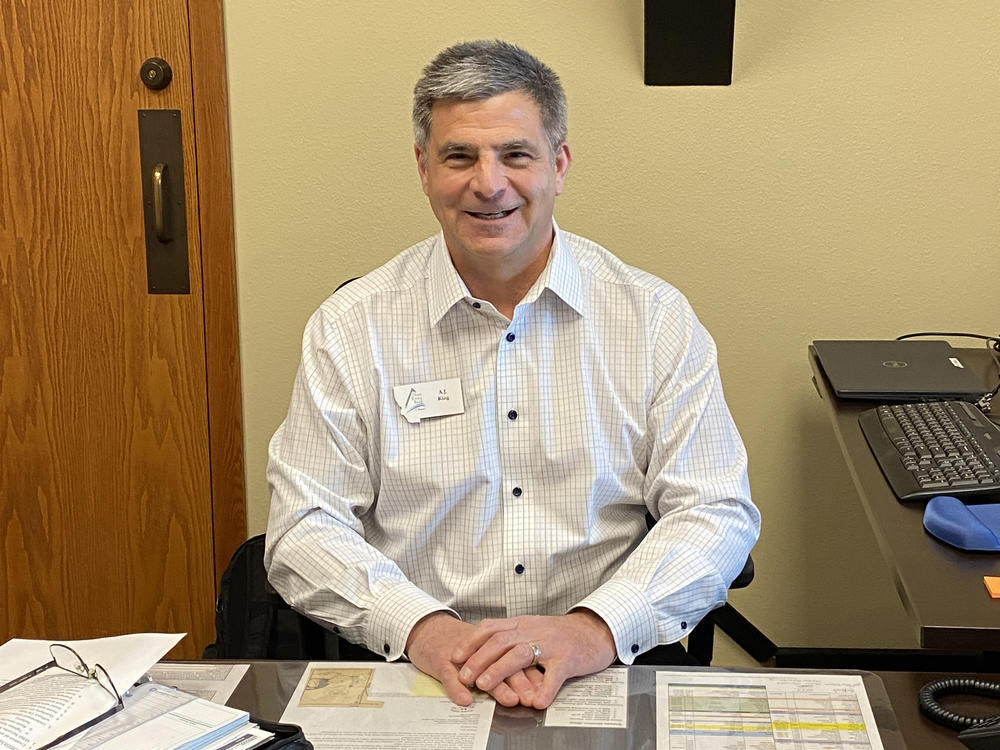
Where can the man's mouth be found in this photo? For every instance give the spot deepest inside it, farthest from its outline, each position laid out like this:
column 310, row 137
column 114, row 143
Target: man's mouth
column 494, row 215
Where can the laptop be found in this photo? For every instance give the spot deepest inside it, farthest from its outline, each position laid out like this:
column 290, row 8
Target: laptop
column 898, row 371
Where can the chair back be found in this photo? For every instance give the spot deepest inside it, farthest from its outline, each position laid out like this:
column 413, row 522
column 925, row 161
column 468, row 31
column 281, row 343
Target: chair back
column 252, row 621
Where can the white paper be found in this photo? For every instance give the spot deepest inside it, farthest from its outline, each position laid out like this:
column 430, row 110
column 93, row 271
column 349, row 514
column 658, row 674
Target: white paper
column 597, row 700
column 213, row 682
column 435, row 398
column 374, row 706
column 758, row 711
column 55, row 702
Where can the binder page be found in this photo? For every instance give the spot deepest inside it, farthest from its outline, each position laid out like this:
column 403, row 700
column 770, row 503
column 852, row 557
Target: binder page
column 376, row 706
column 54, row 702
column 758, row 711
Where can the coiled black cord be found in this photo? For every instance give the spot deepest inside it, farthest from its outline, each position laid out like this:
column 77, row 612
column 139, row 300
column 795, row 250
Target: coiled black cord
column 933, row 710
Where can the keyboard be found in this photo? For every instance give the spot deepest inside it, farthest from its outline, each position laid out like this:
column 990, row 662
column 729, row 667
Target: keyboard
column 939, row 448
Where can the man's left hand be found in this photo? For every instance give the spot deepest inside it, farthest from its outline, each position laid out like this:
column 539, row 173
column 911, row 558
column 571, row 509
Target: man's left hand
column 571, row 645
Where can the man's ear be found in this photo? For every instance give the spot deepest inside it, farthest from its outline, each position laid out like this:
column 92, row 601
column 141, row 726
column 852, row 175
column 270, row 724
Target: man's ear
column 421, row 166
column 563, row 159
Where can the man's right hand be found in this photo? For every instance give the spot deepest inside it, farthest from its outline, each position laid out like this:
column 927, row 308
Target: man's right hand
column 430, row 645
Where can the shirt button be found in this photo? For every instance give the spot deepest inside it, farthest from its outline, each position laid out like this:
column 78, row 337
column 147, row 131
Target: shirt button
column 512, row 415
column 684, row 625
column 385, row 647
column 511, row 337
column 519, row 569
column 517, row 492
column 635, row 648
column 476, row 305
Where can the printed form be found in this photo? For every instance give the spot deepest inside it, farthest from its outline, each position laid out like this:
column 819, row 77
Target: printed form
column 751, row 711
column 365, row 706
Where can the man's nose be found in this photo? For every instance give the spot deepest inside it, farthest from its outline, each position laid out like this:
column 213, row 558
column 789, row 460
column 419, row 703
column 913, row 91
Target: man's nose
column 488, row 180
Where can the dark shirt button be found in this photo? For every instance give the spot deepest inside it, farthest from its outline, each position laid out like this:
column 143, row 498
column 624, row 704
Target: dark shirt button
column 511, row 337
column 385, row 647
column 519, row 569
column 684, row 625
column 476, row 305
column 517, row 492
column 635, row 648
column 512, row 415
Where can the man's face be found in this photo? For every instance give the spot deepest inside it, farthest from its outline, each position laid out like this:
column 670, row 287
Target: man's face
column 492, row 180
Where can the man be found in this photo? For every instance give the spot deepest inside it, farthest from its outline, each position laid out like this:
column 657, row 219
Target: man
column 479, row 427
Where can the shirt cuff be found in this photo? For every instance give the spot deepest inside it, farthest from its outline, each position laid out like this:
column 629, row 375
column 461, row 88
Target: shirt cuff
column 395, row 613
column 628, row 615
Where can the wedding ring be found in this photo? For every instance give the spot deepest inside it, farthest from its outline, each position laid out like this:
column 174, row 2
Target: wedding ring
column 536, row 653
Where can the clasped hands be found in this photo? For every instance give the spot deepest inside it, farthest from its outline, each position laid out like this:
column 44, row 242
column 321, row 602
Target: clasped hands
column 518, row 660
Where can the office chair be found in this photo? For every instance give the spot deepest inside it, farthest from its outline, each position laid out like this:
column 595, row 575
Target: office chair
column 701, row 639
column 252, row 621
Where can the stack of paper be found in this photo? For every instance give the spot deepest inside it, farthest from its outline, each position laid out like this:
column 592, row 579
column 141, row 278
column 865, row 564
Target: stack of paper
column 164, row 718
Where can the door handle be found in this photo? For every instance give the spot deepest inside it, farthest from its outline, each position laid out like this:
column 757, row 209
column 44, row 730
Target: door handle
column 161, row 172
column 159, row 205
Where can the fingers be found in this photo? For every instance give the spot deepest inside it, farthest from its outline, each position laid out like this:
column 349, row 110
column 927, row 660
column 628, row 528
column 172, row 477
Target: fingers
column 478, row 636
column 535, row 676
column 502, row 661
column 505, row 695
column 454, row 687
column 494, row 656
column 545, row 692
column 523, row 687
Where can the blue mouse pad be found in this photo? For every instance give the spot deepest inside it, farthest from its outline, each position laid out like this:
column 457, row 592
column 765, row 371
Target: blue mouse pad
column 971, row 527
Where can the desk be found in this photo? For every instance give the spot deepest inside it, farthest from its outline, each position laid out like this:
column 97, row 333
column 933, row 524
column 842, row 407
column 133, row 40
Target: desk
column 941, row 587
column 269, row 684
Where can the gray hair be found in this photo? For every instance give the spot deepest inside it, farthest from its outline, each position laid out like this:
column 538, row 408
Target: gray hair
column 472, row 71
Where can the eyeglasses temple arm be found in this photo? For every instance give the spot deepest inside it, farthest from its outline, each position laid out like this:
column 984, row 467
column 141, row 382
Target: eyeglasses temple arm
column 27, row 676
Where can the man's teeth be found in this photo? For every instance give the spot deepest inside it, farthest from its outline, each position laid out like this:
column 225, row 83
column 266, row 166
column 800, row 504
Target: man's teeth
column 497, row 215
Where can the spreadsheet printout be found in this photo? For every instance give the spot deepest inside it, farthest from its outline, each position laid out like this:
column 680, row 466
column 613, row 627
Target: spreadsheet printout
column 751, row 711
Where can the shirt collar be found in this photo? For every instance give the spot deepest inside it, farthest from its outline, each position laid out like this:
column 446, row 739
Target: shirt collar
column 561, row 275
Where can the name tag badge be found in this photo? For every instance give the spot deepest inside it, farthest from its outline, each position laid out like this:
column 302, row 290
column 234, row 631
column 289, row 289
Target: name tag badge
column 437, row 398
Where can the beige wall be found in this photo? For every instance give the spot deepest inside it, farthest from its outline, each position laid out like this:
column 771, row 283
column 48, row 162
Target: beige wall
column 844, row 186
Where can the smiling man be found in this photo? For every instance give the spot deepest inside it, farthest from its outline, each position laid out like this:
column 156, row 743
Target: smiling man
column 479, row 428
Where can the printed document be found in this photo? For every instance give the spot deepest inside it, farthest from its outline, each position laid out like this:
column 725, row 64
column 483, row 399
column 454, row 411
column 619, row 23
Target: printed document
column 597, row 700
column 758, row 711
column 213, row 682
column 365, row 706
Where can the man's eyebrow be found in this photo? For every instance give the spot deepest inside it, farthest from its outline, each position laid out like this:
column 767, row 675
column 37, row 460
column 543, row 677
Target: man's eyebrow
column 519, row 144
column 452, row 146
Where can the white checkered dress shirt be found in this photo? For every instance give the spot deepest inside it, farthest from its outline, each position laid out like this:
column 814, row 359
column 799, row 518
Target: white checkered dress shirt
column 598, row 402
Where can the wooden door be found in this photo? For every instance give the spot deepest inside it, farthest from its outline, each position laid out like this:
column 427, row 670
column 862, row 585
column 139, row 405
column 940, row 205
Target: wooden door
column 120, row 443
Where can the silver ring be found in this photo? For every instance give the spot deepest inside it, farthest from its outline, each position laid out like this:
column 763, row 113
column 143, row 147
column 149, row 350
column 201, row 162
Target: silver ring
column 536, row 653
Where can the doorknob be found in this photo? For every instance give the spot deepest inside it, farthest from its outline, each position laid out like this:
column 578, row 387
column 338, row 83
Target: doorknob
column 155, row 73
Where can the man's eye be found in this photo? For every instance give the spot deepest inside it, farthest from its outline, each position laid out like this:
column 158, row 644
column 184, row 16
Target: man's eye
column 519, row 156
column 455, row 158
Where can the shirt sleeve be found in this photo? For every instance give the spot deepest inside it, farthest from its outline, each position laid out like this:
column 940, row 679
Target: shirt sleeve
column 321, row 487
column 696, row 487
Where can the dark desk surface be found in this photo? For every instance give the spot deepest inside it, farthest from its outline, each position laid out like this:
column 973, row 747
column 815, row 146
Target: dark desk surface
column 269, row 684
column 941, row 587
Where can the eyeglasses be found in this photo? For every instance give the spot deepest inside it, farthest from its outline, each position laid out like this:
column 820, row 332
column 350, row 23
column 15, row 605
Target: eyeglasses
column 65, row 658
